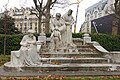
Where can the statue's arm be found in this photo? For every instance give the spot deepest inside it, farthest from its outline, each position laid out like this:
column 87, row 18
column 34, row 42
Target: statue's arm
column 51, row 36
column 63, row 26
column 59, row 36
column 68, row 22
column 33, row 41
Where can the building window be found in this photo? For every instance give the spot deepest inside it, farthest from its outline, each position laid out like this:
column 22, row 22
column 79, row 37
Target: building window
column 20, row 28
column 88, row 27
column 25, row 17
column 25, row 24
column 100, row 14
column 31, row 25
column 21, row 24
column 36, row 29
column 35, row 24
column 25, row 28
column 95, row 13
column 17, row 25
column 88, row 17
column 91, row 17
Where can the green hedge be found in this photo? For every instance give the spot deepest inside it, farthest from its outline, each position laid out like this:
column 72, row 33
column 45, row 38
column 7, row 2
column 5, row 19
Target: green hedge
column 107, row 41
column 12, row 43
column 77, row 35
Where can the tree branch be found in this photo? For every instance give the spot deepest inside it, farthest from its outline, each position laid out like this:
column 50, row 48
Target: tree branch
column 35, row 2
column 35, row 14
column 54, row 2
column 60, row 7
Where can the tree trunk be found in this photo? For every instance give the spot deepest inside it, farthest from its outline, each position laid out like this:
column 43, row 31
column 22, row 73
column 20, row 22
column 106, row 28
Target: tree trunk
column 47, row 24
column 5, row 27
column 5, row 43
column 39, row 23
column 115, row 26
column 116, row 18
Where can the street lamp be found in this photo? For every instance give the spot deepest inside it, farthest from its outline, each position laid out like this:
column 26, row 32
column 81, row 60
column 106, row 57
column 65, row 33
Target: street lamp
column 78, row 2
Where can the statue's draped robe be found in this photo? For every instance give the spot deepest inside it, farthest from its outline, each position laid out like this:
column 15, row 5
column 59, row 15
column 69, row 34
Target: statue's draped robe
column 68, row 33
column 27, row 54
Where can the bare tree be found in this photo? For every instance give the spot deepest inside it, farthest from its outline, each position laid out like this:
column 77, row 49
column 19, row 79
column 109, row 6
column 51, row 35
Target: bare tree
column 116, row 18
column 43, row 9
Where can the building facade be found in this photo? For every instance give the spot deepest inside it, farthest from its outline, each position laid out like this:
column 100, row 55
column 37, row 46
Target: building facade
column 24, row 20
column 101, row 9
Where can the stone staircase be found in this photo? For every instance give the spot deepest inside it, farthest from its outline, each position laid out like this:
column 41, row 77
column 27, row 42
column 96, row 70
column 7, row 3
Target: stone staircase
column 87, row 58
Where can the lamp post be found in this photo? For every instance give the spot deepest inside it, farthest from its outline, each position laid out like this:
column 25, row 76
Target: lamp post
column 76, row 19
column 78, row 2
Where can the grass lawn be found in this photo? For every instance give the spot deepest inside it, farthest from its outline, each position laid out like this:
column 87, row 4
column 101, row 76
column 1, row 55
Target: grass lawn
column 4, row 58
column 63, row 78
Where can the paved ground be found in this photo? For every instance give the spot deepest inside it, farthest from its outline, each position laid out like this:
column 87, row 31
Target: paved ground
column 4, row 73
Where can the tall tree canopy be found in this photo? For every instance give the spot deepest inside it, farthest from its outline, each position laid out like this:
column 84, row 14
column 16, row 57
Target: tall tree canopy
column 7, row 25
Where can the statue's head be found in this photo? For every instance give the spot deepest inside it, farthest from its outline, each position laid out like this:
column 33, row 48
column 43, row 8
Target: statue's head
column 56, row 28
column 70, row 12
column 58, row 15
column 30, row 32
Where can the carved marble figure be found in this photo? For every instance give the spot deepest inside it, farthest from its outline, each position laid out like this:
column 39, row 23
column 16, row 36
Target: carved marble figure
column 58, row 23
column 27, row 55
column 56, row 36
column 68, row 19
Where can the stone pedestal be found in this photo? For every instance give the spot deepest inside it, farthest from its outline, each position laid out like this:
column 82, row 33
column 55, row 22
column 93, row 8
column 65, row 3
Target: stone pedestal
column 115, row 56
column 41, row 40
column 86, row 39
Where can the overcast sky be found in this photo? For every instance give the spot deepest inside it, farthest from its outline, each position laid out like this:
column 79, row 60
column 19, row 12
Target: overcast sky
column 28, row 3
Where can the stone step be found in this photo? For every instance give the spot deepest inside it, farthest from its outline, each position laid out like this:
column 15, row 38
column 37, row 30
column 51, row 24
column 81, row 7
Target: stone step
column 85, row 46
column 66, row 67
column 61, row 60
column 73, row 67
column 45, row 74
column 72, row 54
column 85, row 50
